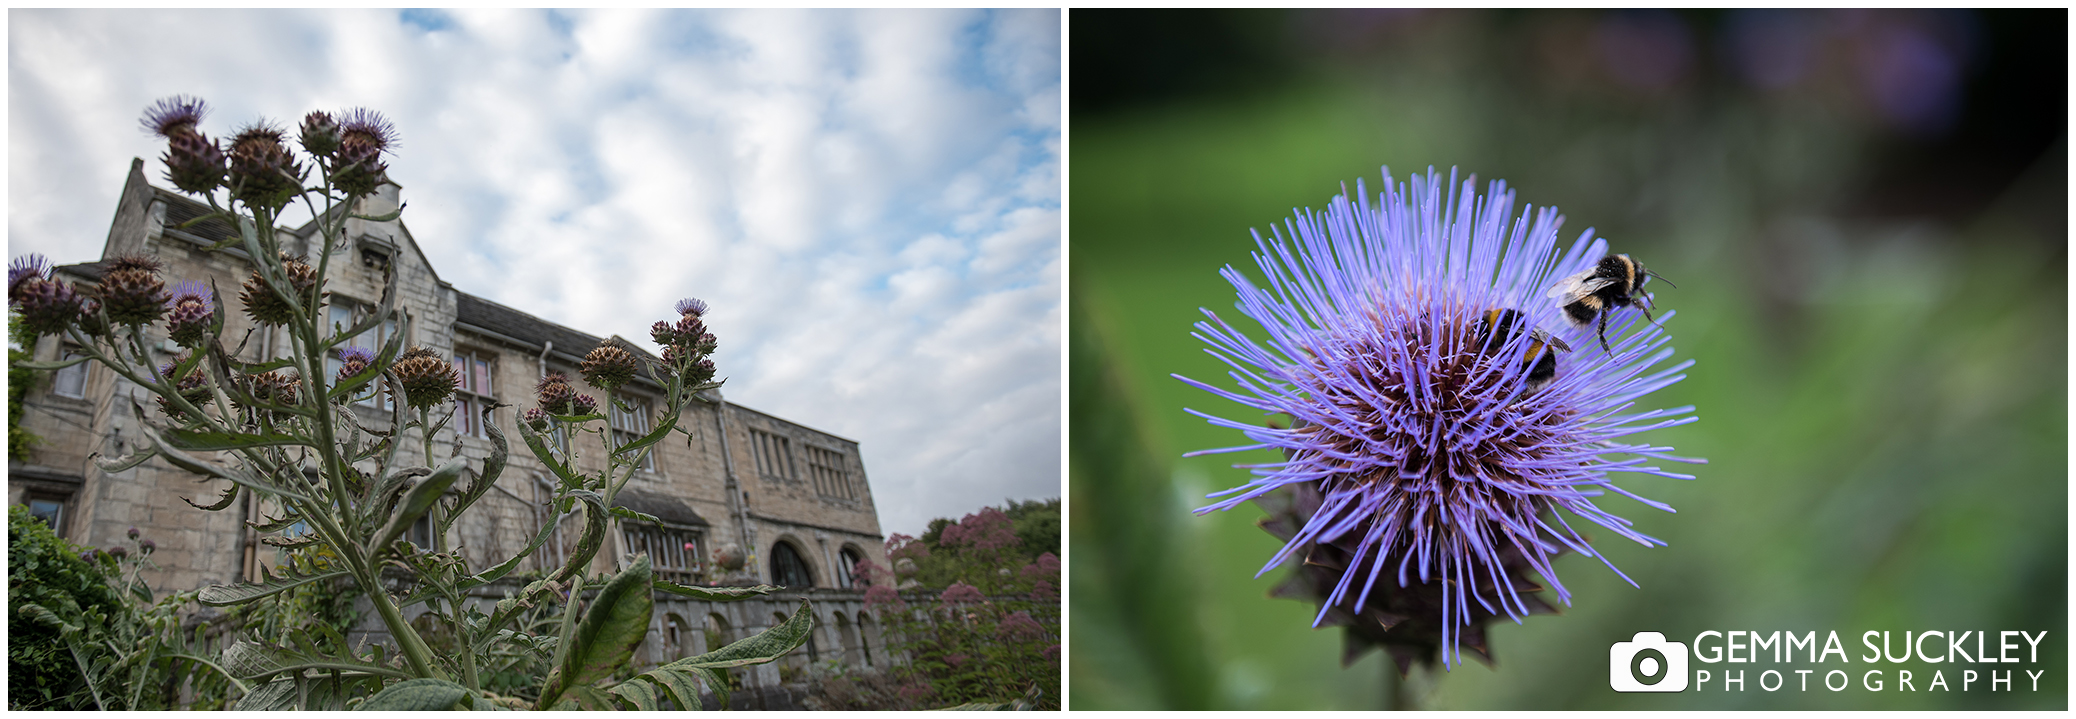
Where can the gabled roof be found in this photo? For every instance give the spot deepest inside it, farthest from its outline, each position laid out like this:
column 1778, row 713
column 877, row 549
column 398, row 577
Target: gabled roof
column 526, row 328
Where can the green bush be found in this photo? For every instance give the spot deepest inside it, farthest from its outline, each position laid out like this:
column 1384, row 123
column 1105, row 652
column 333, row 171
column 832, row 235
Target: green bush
column 45, row 570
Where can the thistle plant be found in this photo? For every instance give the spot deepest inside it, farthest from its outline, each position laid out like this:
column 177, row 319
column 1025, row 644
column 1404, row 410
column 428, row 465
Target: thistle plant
column 1429, row 456
column 268, row 427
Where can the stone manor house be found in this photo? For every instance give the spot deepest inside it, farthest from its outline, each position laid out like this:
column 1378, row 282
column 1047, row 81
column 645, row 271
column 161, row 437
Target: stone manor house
column 792, row 500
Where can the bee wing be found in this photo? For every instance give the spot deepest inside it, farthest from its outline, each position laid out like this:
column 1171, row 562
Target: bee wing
column 1549, row 339
column 1572, row 288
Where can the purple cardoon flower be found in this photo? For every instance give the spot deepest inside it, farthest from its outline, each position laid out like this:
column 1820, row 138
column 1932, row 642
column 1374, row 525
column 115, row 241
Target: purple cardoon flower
column 176, row 115
column 193, row 306
column 368, row 126
column 48, row 305
column 26, row 268
column 692, row 306
column 353, row 361
column 583, row 406
column 1422, row 467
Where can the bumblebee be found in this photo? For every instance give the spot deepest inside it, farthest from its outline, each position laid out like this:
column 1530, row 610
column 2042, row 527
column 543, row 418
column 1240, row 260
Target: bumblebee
column 1590, row 296
column 1497, row 327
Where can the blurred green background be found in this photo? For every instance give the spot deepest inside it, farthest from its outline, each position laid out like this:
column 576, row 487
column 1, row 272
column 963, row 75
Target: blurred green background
column 1865, row 213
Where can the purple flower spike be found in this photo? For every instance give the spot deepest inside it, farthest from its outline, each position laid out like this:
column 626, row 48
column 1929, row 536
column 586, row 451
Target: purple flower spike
column 1431, row 440
column 691, row 306
column 368, row 126
column 26, row 267
column 176, row 115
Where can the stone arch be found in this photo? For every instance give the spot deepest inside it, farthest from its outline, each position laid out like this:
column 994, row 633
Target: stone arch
column 847, row 637
column 867, row 634
column 848, row 559
column 718, row 633
column 790, row 566
column 677, row 637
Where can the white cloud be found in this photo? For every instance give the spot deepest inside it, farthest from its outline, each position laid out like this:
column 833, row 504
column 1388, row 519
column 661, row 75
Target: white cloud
column 870, row 200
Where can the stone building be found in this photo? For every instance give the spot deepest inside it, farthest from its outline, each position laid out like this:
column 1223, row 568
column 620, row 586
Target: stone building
column 795, row 497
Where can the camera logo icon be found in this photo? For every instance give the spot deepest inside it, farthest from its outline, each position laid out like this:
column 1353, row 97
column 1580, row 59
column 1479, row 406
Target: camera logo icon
column 1647, row 663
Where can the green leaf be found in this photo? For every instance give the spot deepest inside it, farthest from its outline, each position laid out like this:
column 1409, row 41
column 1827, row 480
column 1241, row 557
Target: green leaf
column 615, row 624
column 768, row 645
column 625, row 513
column 276, row 695
column 636, row 693
column 493, row 466
column 715, row 594
column 539, row 446
column 224, row 595
column 61, row 364
column 593, row 537
column 494, row 573
column 420, row 695
column 209, row 441
column 653, row 437
column 416, row 503
column 184, row 461
column 683, row 690
column 230, row 494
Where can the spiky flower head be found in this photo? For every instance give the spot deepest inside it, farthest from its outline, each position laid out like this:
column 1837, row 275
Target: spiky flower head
column 353, row 361
column 320, row 133
column 279, row 388
column 263, row 171
column 190, row 312
column 131, row 291
column 554, row 394
column 194, row 387
column 608, row 366
column 194, row 163
column 48, row 305
column 368, row 126
column 268, row 308
column 26, row 269
column 537, row 419
column 428, row 380
column 174, row 116
column 583, row 405
column 692, row 306
column 1423, row 479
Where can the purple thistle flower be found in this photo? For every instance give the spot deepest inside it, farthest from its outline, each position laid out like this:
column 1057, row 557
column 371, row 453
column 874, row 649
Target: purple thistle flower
column 192, row 306
column 368, row 126
column 1421, row 458
column 29, row 267
column 692, row 306
column 176, row 115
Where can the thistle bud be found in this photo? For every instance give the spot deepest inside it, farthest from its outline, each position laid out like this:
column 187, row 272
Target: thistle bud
column 359, row 169
column 537, row 419
column 263, row 173
column 133, row 534
column 190, row 311
column 583, row 405
column 663, row 334
column 554, row 394
column 428, row 380
column 274, row 387
column 608, row 366
column 48, row 306
column 119, row 552
column 194, row 387
column 146, row 547
column 131, row 291
column 320, row 134
column 194, row 163
column 268, row 308
column 689, row 327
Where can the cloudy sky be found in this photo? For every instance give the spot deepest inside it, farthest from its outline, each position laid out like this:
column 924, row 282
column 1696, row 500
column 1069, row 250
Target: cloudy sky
column 869, row 200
